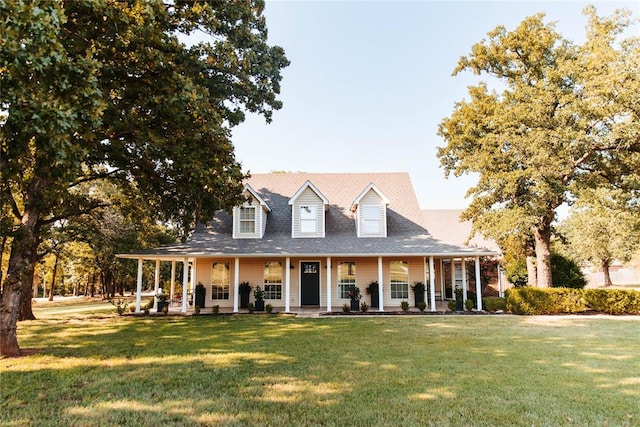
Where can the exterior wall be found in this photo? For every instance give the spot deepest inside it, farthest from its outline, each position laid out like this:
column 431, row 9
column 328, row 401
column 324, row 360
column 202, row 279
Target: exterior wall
column 252, row 271
column 371, row 199
column 308, row 198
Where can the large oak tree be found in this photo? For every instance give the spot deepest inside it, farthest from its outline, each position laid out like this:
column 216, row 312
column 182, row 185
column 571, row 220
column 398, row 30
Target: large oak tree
column 95, row 90
column 568, row 117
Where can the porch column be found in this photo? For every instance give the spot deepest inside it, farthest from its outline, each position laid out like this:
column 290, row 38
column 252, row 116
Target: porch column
column 464, row 279
column 380, row 287
column 432, row 284
column 478, row 285
column 185, row 278
column 328, row 283
column 287, row 285
column 236, row 283
column 139, row 286
column 500, row 284
column 156, row 285
column 173, row 279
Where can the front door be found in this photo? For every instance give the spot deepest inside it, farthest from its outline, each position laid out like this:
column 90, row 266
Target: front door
column 310, row 283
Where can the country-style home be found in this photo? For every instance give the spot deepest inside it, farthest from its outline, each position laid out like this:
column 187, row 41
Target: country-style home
column 306, row 238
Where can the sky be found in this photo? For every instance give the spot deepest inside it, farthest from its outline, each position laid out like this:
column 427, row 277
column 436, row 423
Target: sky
column 370, row 81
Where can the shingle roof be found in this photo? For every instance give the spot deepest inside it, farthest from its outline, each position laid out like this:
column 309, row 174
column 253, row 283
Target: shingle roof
column 407, row 233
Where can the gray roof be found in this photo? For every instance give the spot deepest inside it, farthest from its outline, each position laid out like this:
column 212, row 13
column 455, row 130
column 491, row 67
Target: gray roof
column 407, row 225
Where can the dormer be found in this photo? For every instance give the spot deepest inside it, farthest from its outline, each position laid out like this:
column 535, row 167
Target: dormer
column 370, row 209
column 250, row 219
column 308, row 206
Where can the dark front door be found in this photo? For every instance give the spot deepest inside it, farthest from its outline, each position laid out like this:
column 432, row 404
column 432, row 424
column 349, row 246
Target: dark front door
column 310, row 283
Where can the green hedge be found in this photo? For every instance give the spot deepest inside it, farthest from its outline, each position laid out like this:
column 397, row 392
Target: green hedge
column 529, row 300
column 492, row 304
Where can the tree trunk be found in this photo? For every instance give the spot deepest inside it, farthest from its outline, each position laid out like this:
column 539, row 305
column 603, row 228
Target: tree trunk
column 542, row 238
column 26, row 309
column 19, row 270
column 607, row 274
column 532, row 272
column 53, row 276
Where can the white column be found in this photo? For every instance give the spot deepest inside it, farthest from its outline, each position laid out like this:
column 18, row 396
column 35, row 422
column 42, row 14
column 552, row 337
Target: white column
column 156, row 285
column 173, row 279
column 478, row 285
column 464, row 278
column 287, row 285
column 139, row 286
column 380, row 286
column 185, row 279
column 236, row 283
column 432, row 284
column 329, row 283
column 500, row 284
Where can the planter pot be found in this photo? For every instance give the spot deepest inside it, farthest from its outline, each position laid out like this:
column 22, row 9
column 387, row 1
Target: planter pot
column 162, row 305
column 459, row 305
column 375, row 301
column 244, row 299
column 259, row 305
column 419, row 297
column 355, row 305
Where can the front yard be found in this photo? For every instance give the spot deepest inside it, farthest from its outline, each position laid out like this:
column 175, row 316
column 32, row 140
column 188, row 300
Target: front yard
column 94, row 370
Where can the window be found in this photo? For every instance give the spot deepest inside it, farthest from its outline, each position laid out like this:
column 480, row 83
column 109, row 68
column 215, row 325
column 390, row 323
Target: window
column 273, row 280
column 220, row 280
column 346, row 278
column 399, row 278
column 247, row 220
column 308, row 219
column 371, row 219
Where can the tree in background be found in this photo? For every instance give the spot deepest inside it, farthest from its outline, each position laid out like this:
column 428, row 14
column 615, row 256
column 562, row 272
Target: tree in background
column 567, row 119
column 106, row 91
column 602, row 228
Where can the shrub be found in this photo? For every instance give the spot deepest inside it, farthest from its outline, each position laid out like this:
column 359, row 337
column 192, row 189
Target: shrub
column 216, row 309
column 451, row 304
column 405, row 306
column 364, row 307
column 268, row 308
column 566, row 273
column 528, row 300
column 613, row 301
column 346, row 308
column 120, row 305
column 251, row 307
column 493, row 304
column 422, row 305
column 468, row 304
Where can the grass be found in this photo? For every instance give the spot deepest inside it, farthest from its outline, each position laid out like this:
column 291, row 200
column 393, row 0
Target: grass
column 97, row 370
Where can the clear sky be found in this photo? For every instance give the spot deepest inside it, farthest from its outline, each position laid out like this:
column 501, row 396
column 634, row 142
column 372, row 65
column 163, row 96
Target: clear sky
column 370, row 81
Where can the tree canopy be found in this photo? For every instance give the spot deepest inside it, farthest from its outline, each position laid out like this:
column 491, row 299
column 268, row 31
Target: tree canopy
column 568, row 118
column 107, row 91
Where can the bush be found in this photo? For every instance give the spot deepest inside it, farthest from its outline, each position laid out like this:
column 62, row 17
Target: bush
column 451, row 304
column 268, row 308
column 422, row 305
column 405, row 306
column 364, row 307
column 251, row 307
column 493, row 304
column 528, row 300
column 566, row 273
column 468, row 304
column 216, row 309
column 613, row 301
column 346, row 308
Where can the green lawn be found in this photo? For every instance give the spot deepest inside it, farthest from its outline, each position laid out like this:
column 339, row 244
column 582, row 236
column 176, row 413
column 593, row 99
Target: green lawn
column 276, row 370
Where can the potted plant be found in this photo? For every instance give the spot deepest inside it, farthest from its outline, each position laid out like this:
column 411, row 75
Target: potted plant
column 354, row 296
column 258, row 295
column 459, row 299
column 163, row 302
column 200, row 294
column 372, row 289
column 244, row 290
column 418, row 292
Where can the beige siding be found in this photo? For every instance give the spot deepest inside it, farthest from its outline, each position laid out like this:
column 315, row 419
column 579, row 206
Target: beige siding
column 308, row 198
column 260, row 222
column 371, row 199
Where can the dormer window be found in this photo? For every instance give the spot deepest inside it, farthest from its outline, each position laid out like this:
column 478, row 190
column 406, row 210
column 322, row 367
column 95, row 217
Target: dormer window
column 250, row 219
column 247, row 220
column 370, row 209
column 308, row 219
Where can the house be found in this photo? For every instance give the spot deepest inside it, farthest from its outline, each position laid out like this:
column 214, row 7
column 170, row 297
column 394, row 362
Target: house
column 306, row 238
